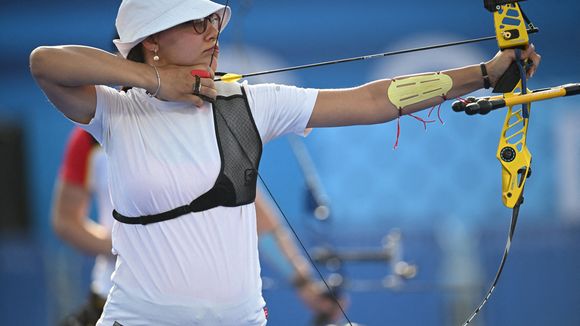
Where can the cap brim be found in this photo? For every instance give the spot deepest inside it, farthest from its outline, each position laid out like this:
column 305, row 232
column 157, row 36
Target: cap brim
column 174, row 17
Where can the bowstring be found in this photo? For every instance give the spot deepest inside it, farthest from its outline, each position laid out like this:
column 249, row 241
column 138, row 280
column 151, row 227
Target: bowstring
column 515, row 213
column 310, row 259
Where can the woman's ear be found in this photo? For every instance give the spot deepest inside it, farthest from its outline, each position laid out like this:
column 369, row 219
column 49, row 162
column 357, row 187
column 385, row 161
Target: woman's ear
column 151, row 43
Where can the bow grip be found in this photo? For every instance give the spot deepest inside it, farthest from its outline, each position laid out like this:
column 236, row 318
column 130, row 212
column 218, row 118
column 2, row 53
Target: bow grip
column 511, row 77
column 509, row 80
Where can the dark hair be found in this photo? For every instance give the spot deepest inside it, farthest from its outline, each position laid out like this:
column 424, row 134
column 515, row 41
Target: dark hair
column 138, row 55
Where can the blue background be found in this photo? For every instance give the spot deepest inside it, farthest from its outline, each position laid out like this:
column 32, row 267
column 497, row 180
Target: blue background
column 441, row 188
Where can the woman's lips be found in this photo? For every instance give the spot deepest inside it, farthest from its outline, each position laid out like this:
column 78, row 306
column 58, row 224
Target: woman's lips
column 213, row 49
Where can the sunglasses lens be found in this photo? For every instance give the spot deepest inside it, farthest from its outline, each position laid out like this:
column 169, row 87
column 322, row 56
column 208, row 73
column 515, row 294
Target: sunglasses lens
column 199, row 25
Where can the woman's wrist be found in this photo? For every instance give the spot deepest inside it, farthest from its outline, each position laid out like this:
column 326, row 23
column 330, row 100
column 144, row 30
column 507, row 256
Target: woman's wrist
column 300, row 281
column 485, row 76
column 158, row 79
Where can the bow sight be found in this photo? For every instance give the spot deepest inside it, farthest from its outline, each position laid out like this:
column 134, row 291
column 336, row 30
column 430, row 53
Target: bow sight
column 492, row 5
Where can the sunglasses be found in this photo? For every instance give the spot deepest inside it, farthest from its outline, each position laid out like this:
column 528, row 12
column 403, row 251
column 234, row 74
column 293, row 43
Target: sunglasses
column 200, row 25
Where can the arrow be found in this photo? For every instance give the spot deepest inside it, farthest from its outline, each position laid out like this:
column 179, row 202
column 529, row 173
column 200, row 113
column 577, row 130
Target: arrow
column 232, row 77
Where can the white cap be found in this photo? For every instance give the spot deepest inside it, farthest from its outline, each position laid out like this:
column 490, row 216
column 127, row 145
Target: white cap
column 137, row 19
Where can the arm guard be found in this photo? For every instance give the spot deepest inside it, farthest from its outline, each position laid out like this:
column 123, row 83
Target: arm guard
column 410, row 90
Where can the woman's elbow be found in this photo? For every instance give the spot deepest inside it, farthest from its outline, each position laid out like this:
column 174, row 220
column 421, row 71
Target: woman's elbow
column 59, row 226
column 37, row 61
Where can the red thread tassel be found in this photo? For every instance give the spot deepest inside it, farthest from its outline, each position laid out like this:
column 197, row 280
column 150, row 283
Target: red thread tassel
column 398, row 130
column 438, row 110
column 425, row 122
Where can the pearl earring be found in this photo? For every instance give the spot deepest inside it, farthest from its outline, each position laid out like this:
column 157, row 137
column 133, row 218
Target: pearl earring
column 155, row 57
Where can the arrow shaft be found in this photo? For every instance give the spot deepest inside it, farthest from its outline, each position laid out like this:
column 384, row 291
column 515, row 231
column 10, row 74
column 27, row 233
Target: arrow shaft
column 373, row 56
column 370, row 56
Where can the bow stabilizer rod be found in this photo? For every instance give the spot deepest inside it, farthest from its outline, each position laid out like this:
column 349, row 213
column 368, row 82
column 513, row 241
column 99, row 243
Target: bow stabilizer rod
column 484, row 105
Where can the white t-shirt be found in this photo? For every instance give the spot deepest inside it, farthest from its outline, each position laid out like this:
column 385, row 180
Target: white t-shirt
column 163, row 155
column 104, row 265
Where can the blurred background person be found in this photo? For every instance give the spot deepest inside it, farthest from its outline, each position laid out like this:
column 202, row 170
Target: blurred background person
column 82, row 180
column 294, row 265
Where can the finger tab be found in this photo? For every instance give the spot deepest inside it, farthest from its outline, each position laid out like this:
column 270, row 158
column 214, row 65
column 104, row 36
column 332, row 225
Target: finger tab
column 200, row 73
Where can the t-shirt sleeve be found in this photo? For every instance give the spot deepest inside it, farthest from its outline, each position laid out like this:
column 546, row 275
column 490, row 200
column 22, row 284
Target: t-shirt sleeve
column 280, row 109
column 75, row 164
column 107, row 98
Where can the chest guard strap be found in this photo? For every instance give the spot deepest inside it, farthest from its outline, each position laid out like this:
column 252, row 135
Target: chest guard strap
column 240, row 149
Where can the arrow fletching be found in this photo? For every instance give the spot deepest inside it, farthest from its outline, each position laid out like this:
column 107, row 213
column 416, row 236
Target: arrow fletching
column 229, row 78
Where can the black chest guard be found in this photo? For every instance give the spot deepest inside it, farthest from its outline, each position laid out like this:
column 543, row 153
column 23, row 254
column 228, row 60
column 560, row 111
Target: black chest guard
column 240, row 149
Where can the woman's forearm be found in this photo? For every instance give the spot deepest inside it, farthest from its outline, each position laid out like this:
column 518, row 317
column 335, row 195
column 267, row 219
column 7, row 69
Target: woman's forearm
column 75, row 66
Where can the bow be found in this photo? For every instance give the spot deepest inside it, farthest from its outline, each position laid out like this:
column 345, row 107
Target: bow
column 512, row 27
column 511, row 33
